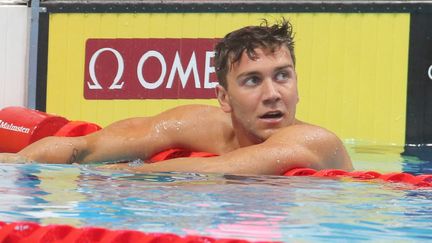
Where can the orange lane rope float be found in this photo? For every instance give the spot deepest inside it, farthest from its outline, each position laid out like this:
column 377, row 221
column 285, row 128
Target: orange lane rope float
column 29, row 232
column 20, row 127
column 401, row 177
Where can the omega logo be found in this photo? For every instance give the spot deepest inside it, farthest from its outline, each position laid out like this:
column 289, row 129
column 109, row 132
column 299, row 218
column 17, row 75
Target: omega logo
column 175, row 68
column 162, row 68
column 430, row 72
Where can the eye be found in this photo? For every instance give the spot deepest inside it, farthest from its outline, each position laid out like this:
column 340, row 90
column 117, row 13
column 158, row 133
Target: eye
column 251, row 81
column 282, row 76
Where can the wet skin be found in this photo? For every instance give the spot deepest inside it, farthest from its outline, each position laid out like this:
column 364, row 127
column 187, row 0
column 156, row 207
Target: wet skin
column 254, row 131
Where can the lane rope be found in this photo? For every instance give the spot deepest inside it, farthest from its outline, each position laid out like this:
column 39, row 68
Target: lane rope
column 29, row 232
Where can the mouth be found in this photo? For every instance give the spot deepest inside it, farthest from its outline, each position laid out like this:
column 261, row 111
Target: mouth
column 272, row 115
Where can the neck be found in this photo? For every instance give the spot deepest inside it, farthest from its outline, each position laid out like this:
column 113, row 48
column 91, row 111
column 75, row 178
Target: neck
column 244, row 138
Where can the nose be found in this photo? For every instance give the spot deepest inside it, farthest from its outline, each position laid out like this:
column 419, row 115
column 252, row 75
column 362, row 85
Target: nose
column 270, row 92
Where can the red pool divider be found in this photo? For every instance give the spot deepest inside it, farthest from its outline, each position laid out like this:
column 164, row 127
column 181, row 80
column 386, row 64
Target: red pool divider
column 77, row 128
column 178, row 153
column 402, row 177
column 397, row 177
column 21, row 126
column 29, row 232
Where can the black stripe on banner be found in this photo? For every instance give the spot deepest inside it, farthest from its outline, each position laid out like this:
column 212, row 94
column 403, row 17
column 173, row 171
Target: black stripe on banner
column 236, row 7
column 42, row 59
column 419, row 97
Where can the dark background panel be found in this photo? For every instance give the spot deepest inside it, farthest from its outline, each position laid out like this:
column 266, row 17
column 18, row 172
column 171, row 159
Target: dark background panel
column 419, row 98
column 42, row 60
column 188, row 6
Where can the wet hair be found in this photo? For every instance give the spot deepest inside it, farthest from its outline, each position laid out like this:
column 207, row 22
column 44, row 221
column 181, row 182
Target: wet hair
column 270, row 37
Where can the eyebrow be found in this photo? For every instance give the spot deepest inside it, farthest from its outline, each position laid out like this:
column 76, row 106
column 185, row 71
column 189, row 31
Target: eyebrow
column 284, row 67
column 252, row 73
column 246, row 74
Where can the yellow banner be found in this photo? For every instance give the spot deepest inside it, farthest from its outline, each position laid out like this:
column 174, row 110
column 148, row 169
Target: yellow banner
column 352, row 68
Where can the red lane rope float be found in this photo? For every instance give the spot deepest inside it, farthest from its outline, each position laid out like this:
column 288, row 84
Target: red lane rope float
column 178, row 153
column 29, row 232
column 402, row 177
column 77, row 128
column 397, row 177
column 20, row 127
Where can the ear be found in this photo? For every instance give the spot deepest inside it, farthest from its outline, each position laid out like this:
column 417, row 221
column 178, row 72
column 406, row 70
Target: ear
column 223, row 98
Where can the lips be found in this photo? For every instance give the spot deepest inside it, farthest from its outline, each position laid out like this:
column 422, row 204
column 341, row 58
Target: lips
column 272, row 115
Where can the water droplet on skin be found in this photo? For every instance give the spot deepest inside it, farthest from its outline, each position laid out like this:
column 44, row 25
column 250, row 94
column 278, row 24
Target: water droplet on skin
column 135, row 163
column 336, row 151
column 164, row 125
column 308, row 139
column 177, row 125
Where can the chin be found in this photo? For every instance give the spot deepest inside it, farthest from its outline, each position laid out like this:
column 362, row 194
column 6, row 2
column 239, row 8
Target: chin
column 263, row 136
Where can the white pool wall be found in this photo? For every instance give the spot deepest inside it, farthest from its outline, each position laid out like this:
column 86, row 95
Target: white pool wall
column 14, row 23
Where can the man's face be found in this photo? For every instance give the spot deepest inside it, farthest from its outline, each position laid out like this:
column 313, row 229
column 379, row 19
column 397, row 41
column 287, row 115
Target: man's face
column 262, row 94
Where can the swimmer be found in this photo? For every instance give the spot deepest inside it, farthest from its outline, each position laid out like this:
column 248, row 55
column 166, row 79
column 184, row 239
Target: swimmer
column 254, row 131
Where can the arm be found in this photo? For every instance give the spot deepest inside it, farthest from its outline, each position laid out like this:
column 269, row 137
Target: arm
column 13, row 158
column 296, row 146
column 54, row 150
column 123, row 140
column 131, row 138
column 47, row 150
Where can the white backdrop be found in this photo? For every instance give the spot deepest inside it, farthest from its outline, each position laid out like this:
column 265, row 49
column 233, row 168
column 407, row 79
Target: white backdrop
column 13, row 54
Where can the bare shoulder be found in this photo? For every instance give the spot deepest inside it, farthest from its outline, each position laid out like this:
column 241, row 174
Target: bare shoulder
column 194, row 112
column 180, row 127
column 325, row 145
column 183, row 126
column 306, row 133
column 184, row 113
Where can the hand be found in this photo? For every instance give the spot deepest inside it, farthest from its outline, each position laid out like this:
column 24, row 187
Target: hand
column 13, row 158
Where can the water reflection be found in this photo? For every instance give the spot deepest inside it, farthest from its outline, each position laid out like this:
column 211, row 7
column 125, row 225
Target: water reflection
column 377, row 157
column 384, row 158
column 420, row 159
column 259, row 208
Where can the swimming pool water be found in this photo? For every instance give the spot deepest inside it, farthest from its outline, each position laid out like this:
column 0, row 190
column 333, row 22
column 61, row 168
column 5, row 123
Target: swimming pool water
column 257, row 208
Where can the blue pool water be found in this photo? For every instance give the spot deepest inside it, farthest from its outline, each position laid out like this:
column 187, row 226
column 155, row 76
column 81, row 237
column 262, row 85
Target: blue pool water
column 257, row 208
